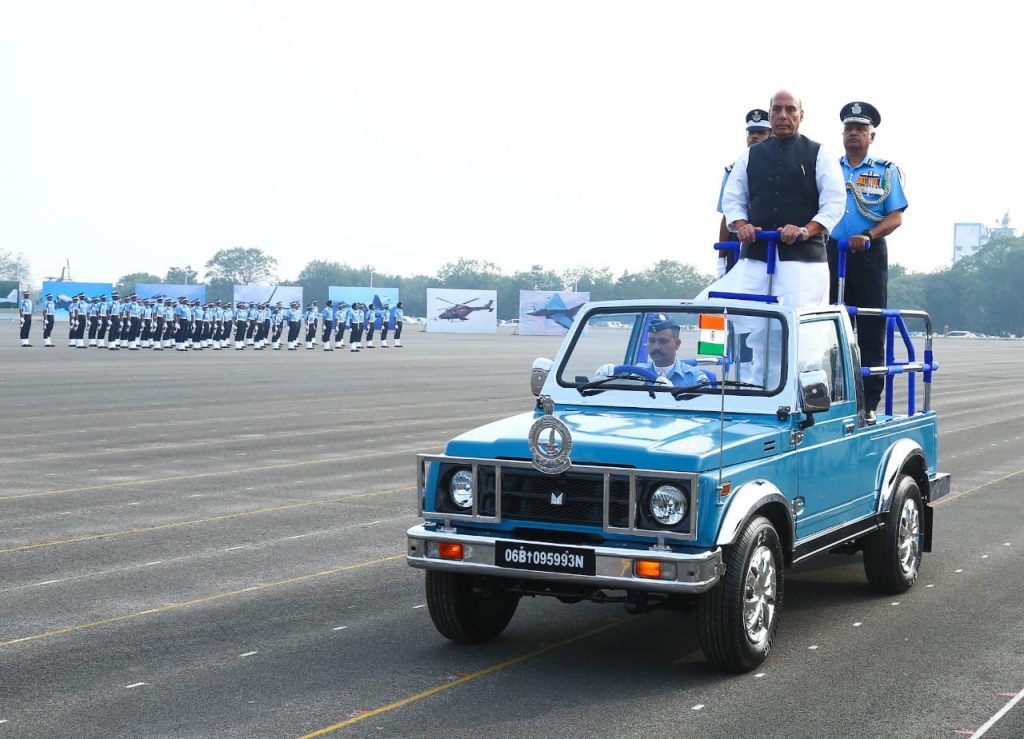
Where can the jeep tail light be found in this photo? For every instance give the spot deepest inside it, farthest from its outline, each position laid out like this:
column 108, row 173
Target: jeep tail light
column 449, row 550
column 655, row 570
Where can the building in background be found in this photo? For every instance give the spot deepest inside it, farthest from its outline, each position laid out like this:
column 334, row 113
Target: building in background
column 968, row 238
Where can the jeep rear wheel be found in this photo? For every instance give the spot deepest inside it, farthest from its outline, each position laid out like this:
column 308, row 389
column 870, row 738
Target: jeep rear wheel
column 737, row 619
column 469, row 609
column 892, row 556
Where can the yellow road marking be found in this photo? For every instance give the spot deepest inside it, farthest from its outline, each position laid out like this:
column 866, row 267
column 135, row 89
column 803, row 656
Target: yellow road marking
column 129, row 483
column 462, row 680
column 191, row 522
column 978, row 487
column 198, row 601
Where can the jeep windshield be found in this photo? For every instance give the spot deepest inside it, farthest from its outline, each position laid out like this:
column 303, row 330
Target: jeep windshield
column 679, row 353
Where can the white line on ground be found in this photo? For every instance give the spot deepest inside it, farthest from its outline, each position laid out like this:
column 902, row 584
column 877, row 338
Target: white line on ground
column 761, row 674
column 135, row 685
column 154, row 562
column 957, row 570
column 339, row 628
column 299, row 536
column 1002, row 712
column 231, row 549
column 93, row 470
column 697, row 707
column 813, row 647
column 930, row 585
column 248, row 654
column 984, row 556
column 51, row 474
column 3, row 720
column 894, row 603
column 196, row 495
column 858, row 623
column 250, row 488
column 65, row 513
column 421, row 605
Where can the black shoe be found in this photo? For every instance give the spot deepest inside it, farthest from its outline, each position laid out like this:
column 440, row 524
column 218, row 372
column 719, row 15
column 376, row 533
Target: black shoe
column 870, row 419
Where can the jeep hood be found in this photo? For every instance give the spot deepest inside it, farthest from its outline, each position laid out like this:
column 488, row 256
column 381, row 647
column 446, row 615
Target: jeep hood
column 668, row 440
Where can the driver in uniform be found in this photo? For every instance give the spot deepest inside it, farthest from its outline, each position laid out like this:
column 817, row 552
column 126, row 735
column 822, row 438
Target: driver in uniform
column 662, row 344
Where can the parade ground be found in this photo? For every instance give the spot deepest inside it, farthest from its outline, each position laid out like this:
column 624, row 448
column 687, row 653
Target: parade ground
column 212, row 544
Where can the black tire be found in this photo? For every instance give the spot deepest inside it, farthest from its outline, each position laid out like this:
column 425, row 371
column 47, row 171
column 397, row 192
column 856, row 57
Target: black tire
column 469, row 609
column 892, row 555
column 727, row 641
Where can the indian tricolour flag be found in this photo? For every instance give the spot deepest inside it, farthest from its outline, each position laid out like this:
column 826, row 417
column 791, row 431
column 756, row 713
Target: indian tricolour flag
column 711, row 341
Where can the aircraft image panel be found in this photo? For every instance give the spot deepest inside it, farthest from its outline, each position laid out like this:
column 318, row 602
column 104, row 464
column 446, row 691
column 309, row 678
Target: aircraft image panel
column 548, row 312
column 64, row 292
column 462, row 311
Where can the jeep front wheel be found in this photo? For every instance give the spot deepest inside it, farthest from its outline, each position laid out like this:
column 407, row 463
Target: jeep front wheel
column 892, row 555
column 737, row 619
column 469, row 609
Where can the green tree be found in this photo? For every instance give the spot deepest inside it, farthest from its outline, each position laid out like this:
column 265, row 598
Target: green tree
column 14, row 267
column 126, row 283
column 240, row 265
column 470, row 274
column 181, row 276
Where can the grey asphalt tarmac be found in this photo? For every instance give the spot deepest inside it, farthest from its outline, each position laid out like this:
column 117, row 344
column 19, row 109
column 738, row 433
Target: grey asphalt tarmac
column 212, row 545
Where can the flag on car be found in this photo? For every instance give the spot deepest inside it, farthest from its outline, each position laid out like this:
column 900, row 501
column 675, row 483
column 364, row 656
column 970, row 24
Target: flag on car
column 711, row 341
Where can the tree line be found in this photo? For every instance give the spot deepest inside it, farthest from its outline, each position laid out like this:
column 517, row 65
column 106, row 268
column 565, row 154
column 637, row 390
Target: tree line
column 980, row 293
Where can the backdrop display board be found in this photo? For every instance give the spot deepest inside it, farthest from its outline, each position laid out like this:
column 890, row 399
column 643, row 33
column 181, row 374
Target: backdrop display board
column 273, row 294
column 548, row 312
column 383, row 295
column 9, row 295
column 63, row 292
column 192, row 292
column 462, row 311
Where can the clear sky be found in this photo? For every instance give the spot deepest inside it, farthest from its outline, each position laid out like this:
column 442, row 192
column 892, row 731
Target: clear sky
column 135, row 136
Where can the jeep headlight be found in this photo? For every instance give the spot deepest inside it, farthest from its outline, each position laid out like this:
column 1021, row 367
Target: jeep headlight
column 668, row 505
column 460, row 489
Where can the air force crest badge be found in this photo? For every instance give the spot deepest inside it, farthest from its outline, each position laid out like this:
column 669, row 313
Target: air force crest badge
column 550, row 442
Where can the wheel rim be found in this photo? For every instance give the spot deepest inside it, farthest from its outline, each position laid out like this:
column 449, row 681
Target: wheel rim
column 909, row 538
column 759, row 595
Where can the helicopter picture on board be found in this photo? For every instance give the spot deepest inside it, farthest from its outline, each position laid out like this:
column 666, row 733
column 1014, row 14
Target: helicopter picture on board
column 461, row 311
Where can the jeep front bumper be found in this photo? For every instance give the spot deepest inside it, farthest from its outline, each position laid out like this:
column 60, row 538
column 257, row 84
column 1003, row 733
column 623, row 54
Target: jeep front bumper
column 615, row 568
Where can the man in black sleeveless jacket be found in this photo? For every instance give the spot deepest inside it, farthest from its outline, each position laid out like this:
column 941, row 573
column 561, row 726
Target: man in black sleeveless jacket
column 786, row 184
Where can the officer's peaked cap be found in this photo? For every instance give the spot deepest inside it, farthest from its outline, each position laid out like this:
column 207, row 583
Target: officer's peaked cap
column 660, row 322
column 757, row 120
column 860, row 112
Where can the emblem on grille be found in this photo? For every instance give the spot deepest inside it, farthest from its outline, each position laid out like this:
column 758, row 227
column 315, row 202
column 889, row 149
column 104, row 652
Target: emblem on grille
column 550, row 443
column 556, row 498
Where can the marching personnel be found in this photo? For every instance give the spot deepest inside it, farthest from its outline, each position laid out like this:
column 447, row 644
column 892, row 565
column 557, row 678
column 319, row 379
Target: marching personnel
column 113, row 322
column 81, row 312
column 294, row 325
column 49, row 307
column 278, row 321
column 94, row 320
column 312, row 312
column 355, row 317
column 72, row 320
column 340, row 321
column 102, row 322
column 241, row 321
column 386, row 321
column 25, row 317
column 126, row 322
column 168, row 341
column 875, row 202
column 397, row 315
column 371, row 313
column 217, row 325
column 208, row 325
column 135, row 316
column 147, row 324
column 251, row 327
column 181, row 323
column 263, row 326
column 159, row 321
column 327, row 325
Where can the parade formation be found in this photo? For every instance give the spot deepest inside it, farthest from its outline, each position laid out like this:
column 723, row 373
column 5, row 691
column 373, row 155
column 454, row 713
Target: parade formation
column 180, row 324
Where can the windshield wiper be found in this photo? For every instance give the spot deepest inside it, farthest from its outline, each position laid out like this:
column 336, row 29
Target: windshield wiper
column 738, row 383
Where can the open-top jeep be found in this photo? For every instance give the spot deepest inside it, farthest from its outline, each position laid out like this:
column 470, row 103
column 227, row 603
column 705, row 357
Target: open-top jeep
column 636, row 483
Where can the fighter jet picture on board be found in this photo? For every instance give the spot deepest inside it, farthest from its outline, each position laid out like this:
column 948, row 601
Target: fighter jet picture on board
column 556, row 310
column 11, row 299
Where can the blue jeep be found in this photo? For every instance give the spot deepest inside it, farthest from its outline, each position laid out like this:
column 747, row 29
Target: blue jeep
column 666, row 462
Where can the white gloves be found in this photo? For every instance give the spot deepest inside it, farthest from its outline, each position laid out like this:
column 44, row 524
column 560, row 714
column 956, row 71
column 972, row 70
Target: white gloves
column 605, row 370
column 662, row 380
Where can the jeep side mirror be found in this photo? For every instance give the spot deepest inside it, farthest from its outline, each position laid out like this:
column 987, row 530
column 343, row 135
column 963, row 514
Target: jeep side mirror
column 539, row 374
column 814, row 394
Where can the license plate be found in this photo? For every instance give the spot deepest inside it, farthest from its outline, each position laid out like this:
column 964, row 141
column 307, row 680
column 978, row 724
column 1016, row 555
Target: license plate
column 528, row 556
